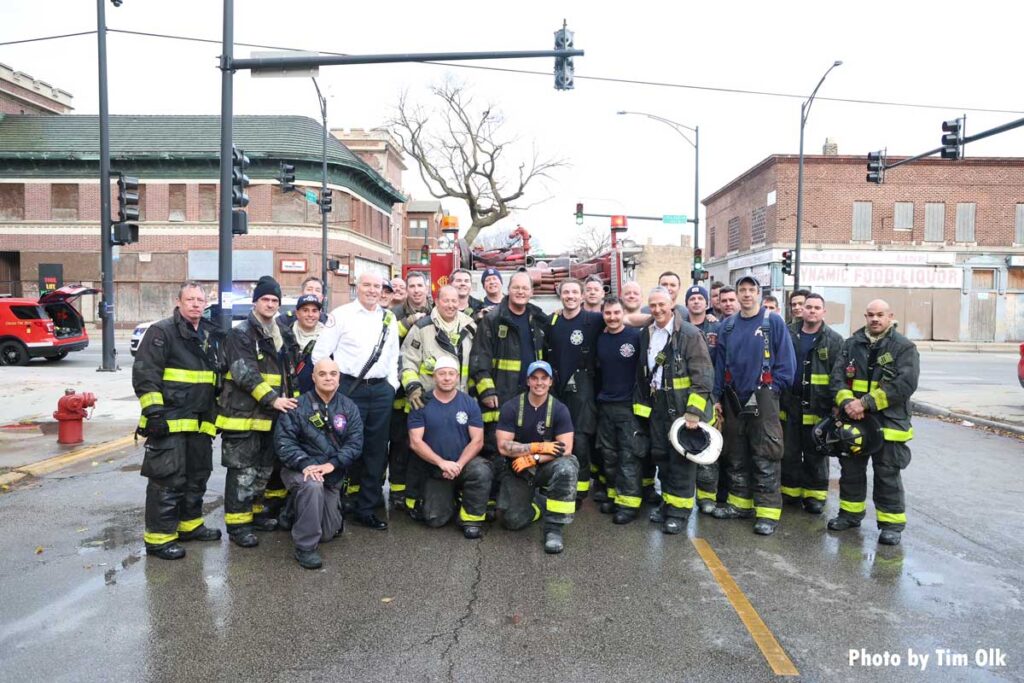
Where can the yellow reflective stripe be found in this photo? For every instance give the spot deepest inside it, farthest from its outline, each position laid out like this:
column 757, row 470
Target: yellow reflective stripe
column 486, row 384
column 583, row 486
column 791, row 491
column 190, row 376
column 410, row 503
column 594, row 468
column 491, row 415
column 275, row 493
column 352, row 489
column 891, row 517
column 257, row 508
column 466, row 517
column 632, row 502
column 860, row 385
column 821, row 380
column 816, row 494
column 677, row 501
column 244, row 424
column 852, row 507
column 897, row 434
column 207, row 428
column 159, row 539
column 464, row 373
column 426, row 370
column 233, row 518
column 272, row 380
column 647, row 481
column 399, row 403
column 402, row 329
column 563, row 507
column 397, row 488
column 536, row 512
column 153, row 398
column 741, row 503
column 187, row 525
column 697, row 401
column 408, row 377
column 768, row 513
column 843, row 395
column 881, row 398
column 612, row 492
column 714, row 419
column 706, row 495
column 681, row 383
column 507, row 364
column 261, row 390
column 810, row 419
column 783, row 415
column 641, row 410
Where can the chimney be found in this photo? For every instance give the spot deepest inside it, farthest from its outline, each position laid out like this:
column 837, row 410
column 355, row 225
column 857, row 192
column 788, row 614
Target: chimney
column 830, row 148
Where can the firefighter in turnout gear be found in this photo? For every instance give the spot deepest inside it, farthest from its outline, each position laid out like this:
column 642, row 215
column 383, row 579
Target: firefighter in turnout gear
column 674, row 378
column 445, row 333
column 175, row 378
column 804, row 469
column 876, row 373
column 255, row 390
column 697, row 302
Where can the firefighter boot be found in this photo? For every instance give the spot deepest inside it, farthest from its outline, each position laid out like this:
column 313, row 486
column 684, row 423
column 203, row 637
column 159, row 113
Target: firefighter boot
column 243, row 537
column 729, row 511
column 842, row 523
column 553, row 543
column 169, row 551
column 308, row 559
column 200, row 533
column 765, row 527
column 889, row 537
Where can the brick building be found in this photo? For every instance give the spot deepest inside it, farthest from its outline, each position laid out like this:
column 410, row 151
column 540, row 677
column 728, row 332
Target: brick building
column 941, row 241
column 49, row 206
column 23, row 94
column 423, row 227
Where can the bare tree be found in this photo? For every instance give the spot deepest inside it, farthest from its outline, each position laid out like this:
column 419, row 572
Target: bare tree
column 462, row 154
column 591, row 241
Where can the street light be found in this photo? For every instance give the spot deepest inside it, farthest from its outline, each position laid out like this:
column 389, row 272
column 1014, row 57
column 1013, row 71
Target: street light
column 695, row 143
column 323, row 191
column 805, row 110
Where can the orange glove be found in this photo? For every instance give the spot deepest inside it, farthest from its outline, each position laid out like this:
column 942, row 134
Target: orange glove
column 548, row 447
column 523, row 462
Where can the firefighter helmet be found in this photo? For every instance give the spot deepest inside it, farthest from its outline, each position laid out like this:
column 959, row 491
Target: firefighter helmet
column 702, row 445
column 844, row 438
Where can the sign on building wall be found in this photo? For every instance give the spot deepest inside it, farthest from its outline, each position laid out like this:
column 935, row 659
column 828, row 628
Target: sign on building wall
column 363, row 265
column 291, row 265
column 881, row 276
column 251, row 265
column 51, row 277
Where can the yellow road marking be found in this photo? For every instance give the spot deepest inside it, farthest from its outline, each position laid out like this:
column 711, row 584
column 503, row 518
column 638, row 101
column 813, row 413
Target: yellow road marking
column 777, row 658
column 57, row 462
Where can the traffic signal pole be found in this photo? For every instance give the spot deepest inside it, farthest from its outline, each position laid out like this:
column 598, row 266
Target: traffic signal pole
column 108, row 359
column 323, row 191
column 224, row 279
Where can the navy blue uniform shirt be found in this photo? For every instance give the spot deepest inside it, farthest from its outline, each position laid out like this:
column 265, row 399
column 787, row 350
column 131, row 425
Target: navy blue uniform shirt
column 446, row 425
column 616, row 359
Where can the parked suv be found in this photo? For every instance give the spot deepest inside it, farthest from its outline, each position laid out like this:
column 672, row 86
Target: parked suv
column 48, row 327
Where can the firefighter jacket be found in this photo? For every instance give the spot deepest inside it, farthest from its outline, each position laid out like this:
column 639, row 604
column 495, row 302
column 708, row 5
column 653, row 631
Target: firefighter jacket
column 578, row 389
column 686, row 372
column 176, row 372
column 810, row 395
column 404, row 313
column 426, row 342
column 494, row 363
column 317, row 433
column 257, row 375
column 883, row 374
column 299, row 358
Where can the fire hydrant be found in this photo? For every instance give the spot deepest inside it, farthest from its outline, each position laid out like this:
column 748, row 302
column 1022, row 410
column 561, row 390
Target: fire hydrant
column 70, row 411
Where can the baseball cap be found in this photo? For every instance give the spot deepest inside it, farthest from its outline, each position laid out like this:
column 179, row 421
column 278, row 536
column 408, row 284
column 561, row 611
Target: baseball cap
column 308, row 299
column 696, row 289
column 446, row 362
column 489, row 272
column 386, row 284
column 539, row 365
column 748, row 278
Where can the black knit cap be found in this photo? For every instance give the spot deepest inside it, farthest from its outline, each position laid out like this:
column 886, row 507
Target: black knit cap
column 266, row 285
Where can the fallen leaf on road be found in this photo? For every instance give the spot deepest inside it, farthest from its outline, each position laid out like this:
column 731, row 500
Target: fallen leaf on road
column 39, row 550
column 95, row 464
column 386, row 600
column 84, row 528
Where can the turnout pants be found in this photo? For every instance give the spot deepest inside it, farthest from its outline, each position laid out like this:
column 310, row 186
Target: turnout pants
column 249, row 459
column 399, row 460
column 618, row 435
column 804, row 470
column 178, row 467
column 556, row 480
column 474, row 486
column 890, row 504
column 676, row 474
column 317, row 506
column 752, row 466
column 374, row 401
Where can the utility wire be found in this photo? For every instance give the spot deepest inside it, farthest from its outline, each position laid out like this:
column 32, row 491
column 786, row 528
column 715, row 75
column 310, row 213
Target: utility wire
column 36, row 40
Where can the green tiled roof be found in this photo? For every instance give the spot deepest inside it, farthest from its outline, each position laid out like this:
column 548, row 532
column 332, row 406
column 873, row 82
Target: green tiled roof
column 139, row 143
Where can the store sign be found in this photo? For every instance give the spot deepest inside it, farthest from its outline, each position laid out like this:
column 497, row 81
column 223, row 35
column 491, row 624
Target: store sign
column 51, row 277
column 293, row 265
column 889, row 258
column 881, row 276
column 246, row 265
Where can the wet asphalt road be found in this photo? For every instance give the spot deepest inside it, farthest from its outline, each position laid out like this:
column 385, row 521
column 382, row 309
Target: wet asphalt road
column 622, row 603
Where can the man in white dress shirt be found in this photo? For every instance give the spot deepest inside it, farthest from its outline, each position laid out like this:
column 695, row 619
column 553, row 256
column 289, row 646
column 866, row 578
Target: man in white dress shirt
column 362, row 337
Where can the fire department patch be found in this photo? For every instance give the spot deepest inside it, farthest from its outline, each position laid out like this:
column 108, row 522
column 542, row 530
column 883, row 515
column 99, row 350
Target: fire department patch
column 461, row 417
column 330, row 320
column 541, row 428
column 627, row 350
column 340, row 422
column 712, row 339
column 576, row 338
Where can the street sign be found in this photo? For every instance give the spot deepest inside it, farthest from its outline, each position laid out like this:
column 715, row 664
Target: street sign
column 312, row 197
column 673, row 219
column 282, row 71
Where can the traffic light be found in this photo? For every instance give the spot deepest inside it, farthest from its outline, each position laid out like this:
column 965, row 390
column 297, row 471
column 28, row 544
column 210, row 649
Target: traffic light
column 697, row 274
column 563, row 65
column 579, row 214
column 425, row 255
column 876, row 167
column 239, row 222
column 239, row 181
column 787, row 262
column 125, row 230
column 287, row 177
column 952, row 139
column 326, row 200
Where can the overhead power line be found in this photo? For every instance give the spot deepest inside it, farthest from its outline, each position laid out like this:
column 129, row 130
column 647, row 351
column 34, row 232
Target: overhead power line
column 41, row 38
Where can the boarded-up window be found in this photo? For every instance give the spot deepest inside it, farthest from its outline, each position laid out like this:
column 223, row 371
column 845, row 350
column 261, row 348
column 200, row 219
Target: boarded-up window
column 734, row 234
column 757, row 225
column 965, row 222
column 64, row 202
column 12, row 201
column 1018, row 231
column 208, row 203
column 176, row 203
column 983, row 279
column 903, row 216
column 288, row 207
column 934, row 222
column 1015, row 278
column 861, row 221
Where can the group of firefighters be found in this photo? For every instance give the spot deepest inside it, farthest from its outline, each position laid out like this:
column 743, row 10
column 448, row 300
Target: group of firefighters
column 484, row 410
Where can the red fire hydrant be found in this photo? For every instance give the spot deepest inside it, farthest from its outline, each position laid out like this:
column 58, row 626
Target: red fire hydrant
column 70, row 411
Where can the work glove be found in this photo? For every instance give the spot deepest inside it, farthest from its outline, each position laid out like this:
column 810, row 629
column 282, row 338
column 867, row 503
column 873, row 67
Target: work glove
column 523, row 462
column 414, row 394
column 548, row 448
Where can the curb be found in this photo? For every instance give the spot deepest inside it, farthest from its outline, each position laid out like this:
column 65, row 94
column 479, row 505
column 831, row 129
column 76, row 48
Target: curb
column 38, row 469
column 929, row 409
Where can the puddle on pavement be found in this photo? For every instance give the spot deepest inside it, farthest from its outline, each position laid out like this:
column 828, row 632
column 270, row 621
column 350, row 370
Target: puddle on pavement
column 110, row 576
column 111, row 537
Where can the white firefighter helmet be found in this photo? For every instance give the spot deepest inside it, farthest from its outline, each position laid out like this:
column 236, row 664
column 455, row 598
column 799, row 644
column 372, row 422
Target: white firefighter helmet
column 702, row 446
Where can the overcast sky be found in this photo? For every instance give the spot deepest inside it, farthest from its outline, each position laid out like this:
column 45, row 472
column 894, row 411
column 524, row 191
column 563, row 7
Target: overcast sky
column 960, row 56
